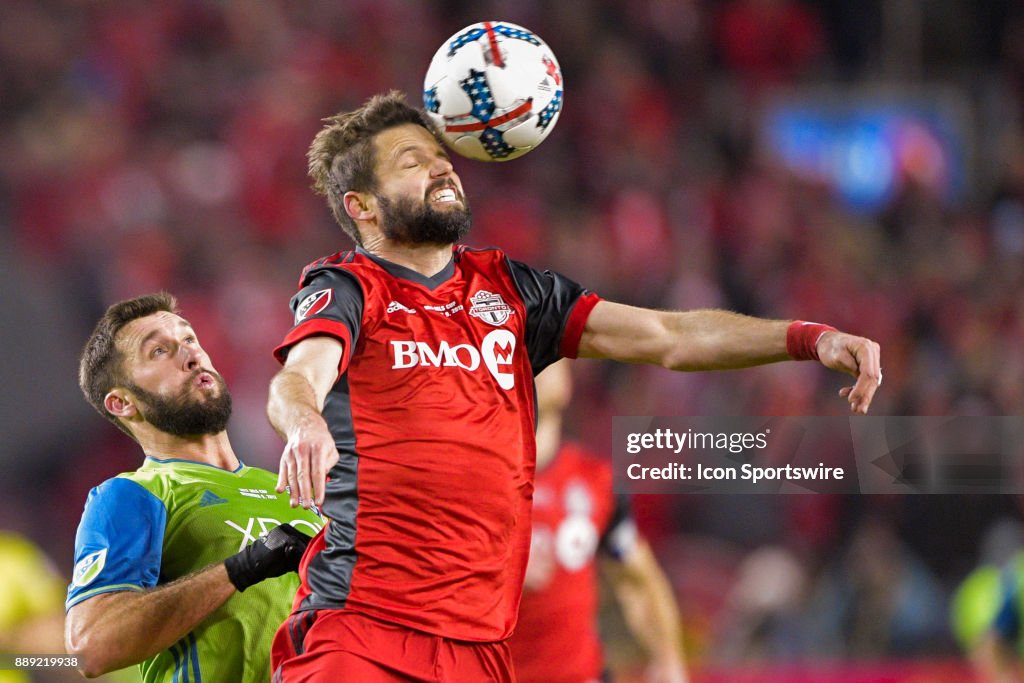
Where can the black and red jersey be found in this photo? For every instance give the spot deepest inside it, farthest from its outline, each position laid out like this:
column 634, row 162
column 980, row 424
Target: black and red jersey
column 575, row 517
column 433, row 416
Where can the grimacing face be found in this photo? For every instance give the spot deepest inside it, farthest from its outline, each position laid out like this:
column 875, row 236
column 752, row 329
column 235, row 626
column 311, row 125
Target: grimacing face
column 419, row 198
column 176, row 388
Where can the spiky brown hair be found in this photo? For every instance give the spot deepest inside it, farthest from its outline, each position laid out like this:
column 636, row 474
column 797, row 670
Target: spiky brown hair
column 342, row 159
column 100, row 368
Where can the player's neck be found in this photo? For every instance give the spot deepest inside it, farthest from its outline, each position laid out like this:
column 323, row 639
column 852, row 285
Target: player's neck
column 209, row 449
column 426, row 259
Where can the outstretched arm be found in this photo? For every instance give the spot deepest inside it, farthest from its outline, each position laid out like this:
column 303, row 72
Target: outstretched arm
column 649, row 608
column 297, row 395
column 721, row 340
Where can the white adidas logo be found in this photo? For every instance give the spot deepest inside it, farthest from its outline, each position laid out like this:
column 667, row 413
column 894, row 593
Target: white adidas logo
column 394, row 307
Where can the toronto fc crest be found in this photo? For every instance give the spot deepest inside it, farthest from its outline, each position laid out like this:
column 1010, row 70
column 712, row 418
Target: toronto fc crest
column 490, row 308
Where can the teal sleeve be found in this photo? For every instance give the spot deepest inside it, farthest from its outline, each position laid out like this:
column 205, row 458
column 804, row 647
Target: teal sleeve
column 119, row 543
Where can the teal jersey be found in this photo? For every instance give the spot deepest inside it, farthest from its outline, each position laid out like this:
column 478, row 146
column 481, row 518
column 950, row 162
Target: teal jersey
column 169, row 519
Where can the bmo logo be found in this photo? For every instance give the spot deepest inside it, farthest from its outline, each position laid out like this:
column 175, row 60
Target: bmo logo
column 495, row 353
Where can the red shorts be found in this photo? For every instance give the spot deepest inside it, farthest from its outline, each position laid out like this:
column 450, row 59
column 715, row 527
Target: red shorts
column 338, row 645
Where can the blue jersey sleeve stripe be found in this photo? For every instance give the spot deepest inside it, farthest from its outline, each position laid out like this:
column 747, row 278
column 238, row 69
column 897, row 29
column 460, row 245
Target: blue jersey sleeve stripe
column 119, row 587
column 177, row 663
column 194, row 652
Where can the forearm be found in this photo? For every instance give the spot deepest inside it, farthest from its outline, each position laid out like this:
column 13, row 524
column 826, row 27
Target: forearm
column 649, row 607
column 722, row 340
column 655, row 625
column 660, row 632
column 120, row 629
column 292, row 402
column 297, row 396
column 682, row 340
column 298, row 391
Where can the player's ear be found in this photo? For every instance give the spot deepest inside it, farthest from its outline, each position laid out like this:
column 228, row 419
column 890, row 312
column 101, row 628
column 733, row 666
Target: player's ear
column 360, row 206
column 120, row 403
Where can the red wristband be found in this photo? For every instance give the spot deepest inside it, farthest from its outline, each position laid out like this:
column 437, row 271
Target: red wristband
column 802, row 339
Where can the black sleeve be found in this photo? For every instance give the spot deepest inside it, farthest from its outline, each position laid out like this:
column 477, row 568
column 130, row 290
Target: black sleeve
column 549, row 299
column 330, row 303
column 620, row 536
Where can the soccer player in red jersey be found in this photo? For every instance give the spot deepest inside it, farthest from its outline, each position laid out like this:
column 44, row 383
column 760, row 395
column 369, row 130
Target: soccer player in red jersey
column 578, row 521
column 407, row 405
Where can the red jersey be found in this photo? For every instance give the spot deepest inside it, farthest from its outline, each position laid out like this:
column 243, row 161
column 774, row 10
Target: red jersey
column 575, row 515
column 433, row 416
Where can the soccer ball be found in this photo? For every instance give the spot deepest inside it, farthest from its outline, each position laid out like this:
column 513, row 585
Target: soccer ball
column 494, row 91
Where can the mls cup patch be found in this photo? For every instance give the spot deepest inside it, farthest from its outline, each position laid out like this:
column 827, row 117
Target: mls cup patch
column 313, row 304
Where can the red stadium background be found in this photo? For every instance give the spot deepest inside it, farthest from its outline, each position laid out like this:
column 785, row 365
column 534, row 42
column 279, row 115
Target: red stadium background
column 859, row 163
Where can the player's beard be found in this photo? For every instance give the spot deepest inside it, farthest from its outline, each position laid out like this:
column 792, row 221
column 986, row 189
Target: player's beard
column 184, row 415
column 407, row 221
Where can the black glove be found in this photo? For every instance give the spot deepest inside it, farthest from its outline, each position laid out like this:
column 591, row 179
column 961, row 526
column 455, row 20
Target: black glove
column 276, row 553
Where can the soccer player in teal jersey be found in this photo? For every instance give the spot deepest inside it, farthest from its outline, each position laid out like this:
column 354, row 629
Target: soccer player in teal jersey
column 164, row 553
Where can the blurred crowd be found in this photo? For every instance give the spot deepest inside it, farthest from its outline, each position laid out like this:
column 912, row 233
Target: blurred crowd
column 152, row 146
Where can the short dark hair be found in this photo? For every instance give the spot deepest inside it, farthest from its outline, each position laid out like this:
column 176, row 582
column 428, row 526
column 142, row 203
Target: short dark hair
column 342, row 159
column 101, row 367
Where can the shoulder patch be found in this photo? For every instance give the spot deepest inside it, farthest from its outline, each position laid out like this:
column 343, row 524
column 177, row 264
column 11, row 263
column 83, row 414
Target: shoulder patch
column 313, row 304
column 89, row 567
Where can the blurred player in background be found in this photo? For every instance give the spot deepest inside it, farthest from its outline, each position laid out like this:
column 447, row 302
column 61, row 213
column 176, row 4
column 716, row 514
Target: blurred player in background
column 408, row 379
column 987, row 618
column 164, row 553
column 577, row 521
column 32, row 595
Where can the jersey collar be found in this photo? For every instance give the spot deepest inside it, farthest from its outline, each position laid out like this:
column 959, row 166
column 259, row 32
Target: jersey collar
column 171, row 461
column 404, row 273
